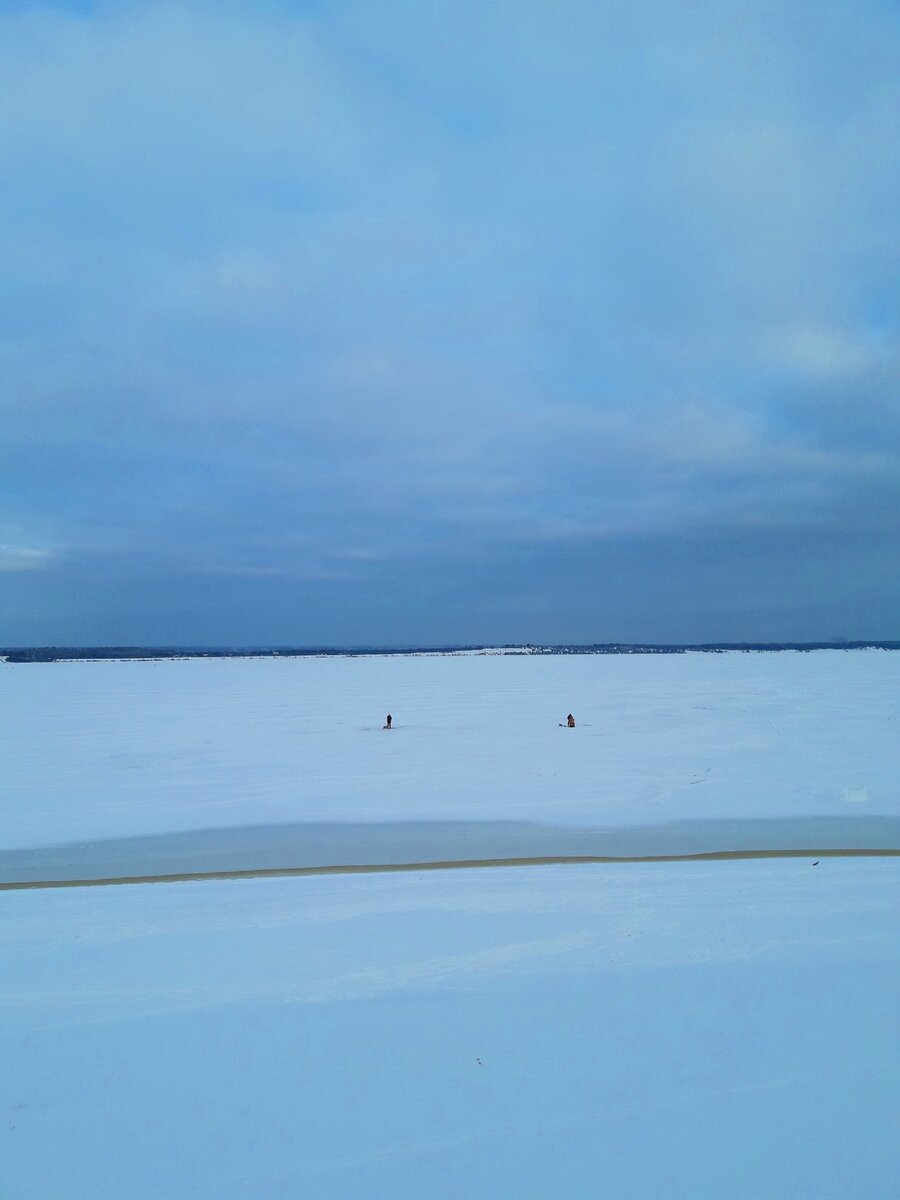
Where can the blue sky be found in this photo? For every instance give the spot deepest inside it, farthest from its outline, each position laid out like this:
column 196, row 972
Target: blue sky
column 383, row 323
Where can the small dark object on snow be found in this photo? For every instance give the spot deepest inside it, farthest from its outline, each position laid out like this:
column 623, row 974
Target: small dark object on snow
column 387, row 723
column 816, row 863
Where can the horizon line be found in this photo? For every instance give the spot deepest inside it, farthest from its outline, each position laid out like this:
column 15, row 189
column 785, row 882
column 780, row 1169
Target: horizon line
column 49, row 652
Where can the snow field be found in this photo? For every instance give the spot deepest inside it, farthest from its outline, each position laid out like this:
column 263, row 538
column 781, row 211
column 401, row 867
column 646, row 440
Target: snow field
column 124, row 749
column 632, row 1031
column 680, row 1030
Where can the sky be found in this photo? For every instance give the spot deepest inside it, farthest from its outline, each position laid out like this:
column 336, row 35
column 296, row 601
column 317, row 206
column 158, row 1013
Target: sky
column 392, row 323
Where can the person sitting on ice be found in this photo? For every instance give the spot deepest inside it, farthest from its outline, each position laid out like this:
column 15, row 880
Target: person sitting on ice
column 387, row 723
column 570, row 721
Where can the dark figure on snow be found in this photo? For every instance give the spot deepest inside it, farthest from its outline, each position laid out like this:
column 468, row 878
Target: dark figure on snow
column 388, row 722
column 570, row 721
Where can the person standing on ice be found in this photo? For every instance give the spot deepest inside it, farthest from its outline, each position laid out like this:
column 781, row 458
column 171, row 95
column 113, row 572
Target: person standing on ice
column 387, row 723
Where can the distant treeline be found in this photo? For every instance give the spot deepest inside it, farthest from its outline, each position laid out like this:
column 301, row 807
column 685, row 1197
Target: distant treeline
column 46, row 654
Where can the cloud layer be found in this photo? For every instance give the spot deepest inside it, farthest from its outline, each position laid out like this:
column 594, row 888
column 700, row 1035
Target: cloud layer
column 385, row 323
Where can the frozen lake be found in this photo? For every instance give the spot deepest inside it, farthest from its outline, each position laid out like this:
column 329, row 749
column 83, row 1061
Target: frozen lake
column 635, row 1030
column 111, row 750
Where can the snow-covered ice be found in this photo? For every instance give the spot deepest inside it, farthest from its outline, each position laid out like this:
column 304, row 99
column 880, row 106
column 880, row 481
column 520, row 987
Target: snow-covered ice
column 123, row 749
column 628, row 1030
column 680, row 1030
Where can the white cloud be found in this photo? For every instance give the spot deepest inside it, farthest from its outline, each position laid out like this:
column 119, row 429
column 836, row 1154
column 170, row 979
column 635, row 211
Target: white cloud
column 822, row 353
column 23, row 558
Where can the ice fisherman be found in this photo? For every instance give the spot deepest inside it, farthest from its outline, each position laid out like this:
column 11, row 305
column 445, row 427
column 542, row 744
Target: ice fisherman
column 388, row 721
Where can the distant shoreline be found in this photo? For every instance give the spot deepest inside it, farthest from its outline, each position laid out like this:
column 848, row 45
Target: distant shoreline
column 47, row 654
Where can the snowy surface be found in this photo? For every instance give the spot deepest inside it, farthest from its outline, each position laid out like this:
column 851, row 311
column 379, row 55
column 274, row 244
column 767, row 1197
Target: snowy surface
column 630, row 1031
column 125, row 749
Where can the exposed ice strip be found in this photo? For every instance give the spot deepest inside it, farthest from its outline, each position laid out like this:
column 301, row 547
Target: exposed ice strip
column 392, row 844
